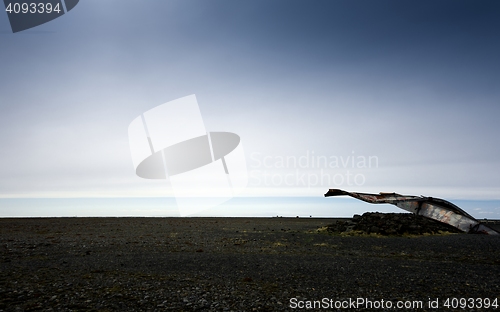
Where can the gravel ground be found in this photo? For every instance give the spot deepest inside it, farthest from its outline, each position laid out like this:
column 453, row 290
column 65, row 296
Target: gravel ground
column 230, row 264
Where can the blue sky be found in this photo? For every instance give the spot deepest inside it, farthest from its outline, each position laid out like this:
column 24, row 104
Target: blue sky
column 414, row 84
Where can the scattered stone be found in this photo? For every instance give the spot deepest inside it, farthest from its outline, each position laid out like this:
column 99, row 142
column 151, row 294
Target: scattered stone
column 390, row 224
column 248, row 270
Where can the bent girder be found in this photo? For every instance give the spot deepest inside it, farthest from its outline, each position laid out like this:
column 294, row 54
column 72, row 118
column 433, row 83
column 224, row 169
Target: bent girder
column 432, row 208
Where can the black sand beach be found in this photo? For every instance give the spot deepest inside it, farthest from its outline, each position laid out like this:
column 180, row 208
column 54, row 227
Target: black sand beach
column 233, row 264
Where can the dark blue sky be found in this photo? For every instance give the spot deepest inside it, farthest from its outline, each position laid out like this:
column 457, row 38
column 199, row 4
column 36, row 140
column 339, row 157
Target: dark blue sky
column 414, row 83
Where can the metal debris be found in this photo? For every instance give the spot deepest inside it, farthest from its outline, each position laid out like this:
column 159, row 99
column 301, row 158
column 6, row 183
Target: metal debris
column 432, row 208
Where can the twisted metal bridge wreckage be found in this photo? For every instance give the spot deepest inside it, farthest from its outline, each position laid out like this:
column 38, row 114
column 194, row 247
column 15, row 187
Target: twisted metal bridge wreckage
column 429, row 207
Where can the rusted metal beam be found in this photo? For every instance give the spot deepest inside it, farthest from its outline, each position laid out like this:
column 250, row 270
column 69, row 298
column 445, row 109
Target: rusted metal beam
column 432, row 208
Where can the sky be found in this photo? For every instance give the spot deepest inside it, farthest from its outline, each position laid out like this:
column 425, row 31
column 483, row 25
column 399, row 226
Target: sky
column 367, row 96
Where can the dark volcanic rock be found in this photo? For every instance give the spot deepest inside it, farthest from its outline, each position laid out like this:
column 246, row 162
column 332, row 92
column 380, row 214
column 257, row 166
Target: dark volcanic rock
column 230, row 264
column 390, row 224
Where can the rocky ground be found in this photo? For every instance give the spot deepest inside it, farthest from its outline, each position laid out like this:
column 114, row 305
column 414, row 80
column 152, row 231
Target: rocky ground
column 231, row 264
column 390, row 224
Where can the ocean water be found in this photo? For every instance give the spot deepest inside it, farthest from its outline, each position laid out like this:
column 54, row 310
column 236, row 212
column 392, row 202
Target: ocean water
column 236, row 207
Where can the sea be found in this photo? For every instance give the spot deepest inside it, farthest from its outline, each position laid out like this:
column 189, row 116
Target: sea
column 303, row 207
